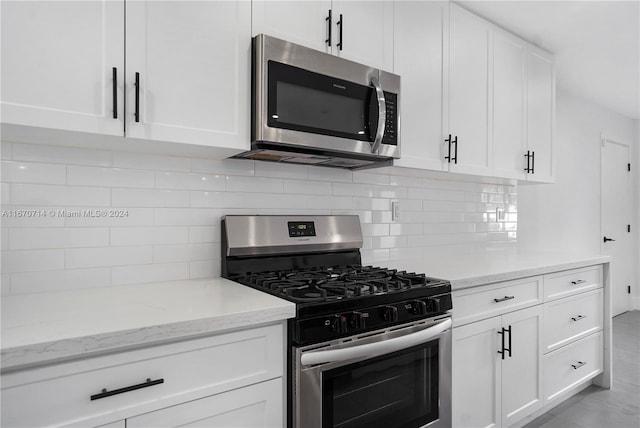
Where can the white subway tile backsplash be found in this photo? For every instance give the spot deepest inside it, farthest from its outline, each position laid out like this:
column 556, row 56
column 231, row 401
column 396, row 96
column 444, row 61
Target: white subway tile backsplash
column 45, row 195
column 150, row 161
column 34, row 282
column 110, row 177
column 64, row 155
column 221, row 200
column 149, row 198
column 58, row 237
column 31, row 172
column 254, row 184
column 106, row 256
column 32, row 260
column 161, row 214
column 121, row 236
column 140, row 274
column 189, row 181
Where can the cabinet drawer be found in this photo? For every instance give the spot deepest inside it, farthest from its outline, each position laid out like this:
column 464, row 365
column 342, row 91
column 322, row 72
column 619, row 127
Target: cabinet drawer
column 563, row 284
column 495, row 299
column 566, row 320
column 571, row 365
column 61, row 394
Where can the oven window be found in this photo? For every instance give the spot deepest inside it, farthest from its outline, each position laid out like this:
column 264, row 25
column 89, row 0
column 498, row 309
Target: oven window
column 395, row 390
column 302, row 100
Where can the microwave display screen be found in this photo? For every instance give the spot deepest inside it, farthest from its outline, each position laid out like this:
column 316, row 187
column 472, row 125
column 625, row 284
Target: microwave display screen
column 313, row 108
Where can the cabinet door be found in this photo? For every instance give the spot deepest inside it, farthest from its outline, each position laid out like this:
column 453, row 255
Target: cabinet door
column 522, row 392
column 57, row 64
column 476, row 383
column 469, row 91
column 367, row 32
column 509, row 88
column 255, row 406
column 541, row 112
column 193, row 63
column 418, row 57
column 301, row 22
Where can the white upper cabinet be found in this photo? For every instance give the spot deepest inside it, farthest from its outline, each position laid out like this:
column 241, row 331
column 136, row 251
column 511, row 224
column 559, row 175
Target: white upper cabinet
column 63, row 65
column 192, row 62
column 509, row 105
column 304, row 23
column 361, row 31
column 419, row 49
column 468, row 102
column 541, row 101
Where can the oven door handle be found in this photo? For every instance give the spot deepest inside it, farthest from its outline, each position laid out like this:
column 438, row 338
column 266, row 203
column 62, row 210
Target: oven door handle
column 376, row 348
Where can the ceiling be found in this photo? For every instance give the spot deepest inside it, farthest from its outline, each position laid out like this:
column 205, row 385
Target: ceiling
column 596, row 44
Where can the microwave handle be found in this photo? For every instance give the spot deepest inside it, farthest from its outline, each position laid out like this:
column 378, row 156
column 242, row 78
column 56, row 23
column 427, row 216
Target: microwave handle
column 376, row 348
column 382, row 115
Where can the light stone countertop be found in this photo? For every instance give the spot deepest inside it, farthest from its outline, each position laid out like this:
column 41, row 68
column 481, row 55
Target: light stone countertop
column 56, row 326
column 484, row 267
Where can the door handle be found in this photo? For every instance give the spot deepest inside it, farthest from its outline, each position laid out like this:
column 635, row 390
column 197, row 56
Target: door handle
column 328, row 18
column 137, row 101
column 607, row 239
column 382, row 115
column 341, row 24
column 114, row 71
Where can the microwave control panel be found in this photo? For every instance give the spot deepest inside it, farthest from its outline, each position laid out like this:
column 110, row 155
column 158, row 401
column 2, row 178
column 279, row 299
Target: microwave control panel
column 391, row 126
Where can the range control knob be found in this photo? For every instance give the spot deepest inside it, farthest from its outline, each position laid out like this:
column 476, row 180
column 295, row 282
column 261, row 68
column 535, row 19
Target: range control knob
column 389, row 313
column 358, row 320
column 338, row 324
column 433, row 304
column 419, row 307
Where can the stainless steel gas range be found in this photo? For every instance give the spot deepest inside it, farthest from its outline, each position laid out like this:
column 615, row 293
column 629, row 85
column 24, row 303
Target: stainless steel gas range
column 369, row 346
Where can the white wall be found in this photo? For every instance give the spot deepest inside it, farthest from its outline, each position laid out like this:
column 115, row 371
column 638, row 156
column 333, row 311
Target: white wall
column 173, row 205
column 565, row 216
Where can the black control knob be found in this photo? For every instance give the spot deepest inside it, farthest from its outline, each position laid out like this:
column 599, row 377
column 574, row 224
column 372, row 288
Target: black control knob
column 390, row 313
column 358, row 320
column 433, row 304
column 419, row 307
column 338, row 324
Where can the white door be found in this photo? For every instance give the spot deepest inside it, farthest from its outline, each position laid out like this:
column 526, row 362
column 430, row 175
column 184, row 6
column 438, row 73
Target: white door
column 255, row 406
column 418, row 57
column 301, row 22
column 468, row 109
column 509, row 87
column 522, row 392
column 476, row 377
column 192, row 61
column 615, row 220
column 367, row 32
column 58, row 62
column 540, row 113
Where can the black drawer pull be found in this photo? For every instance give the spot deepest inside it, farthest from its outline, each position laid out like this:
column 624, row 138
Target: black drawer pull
column 580, row 281
column 106, row 393
column 577, row 366
column 504, row 298
column 578, row 318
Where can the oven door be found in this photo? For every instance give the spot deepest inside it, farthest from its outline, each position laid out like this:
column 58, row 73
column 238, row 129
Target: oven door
column 397, row 378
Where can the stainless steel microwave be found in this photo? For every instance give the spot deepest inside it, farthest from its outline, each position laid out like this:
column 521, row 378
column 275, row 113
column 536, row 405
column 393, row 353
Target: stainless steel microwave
column 309, row 107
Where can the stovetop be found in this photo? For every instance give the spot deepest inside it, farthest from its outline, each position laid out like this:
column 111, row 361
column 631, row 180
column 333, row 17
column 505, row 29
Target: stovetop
column 325, row 284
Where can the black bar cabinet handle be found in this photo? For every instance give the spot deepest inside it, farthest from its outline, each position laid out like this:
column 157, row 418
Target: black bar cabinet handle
column 580, row 364
column 341, row 24
column 528, row 156
column 115, row 92
column 328, row 18
column 455, row 150
column 502, row 349
column 533, row 162
column 137, row 112
column 579, row 281
column 605, row 239
column 578, row 317
column 146, row 384
column 448, row 157
column 504, row 299
column 509, row 349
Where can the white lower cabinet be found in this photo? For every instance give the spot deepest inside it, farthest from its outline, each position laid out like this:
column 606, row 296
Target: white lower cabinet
column 497, row 366
column 216, row 381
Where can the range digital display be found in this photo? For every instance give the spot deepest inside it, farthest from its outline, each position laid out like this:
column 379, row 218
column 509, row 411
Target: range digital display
column 301, row 228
